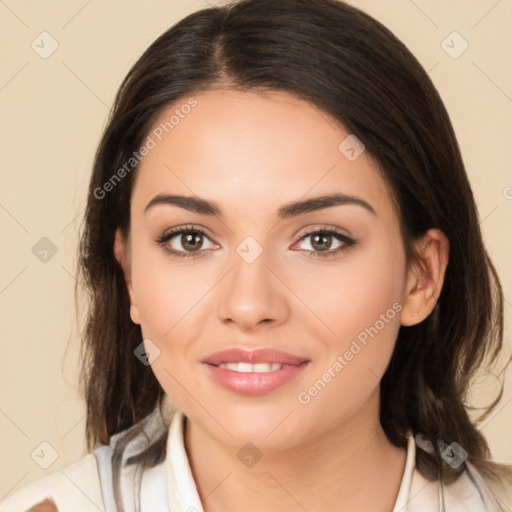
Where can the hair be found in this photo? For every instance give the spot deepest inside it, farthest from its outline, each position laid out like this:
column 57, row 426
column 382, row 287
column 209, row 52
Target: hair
column 349, row 65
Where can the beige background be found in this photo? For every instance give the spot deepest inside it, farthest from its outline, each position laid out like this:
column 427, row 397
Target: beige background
column 53, row 111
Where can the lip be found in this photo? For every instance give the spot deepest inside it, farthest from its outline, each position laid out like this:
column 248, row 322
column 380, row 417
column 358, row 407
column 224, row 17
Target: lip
column 262, row 355
column 254, row 383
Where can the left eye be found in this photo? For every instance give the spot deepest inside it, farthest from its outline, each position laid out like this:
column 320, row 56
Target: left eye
column 321, row 242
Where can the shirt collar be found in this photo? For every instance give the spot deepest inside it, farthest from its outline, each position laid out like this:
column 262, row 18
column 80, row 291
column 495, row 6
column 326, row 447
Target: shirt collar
column 181, row 488
column 404, row 491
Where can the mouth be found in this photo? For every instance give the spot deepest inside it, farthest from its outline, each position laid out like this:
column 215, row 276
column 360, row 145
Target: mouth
column 250, row 368
column 241, row 356
column 255, row 372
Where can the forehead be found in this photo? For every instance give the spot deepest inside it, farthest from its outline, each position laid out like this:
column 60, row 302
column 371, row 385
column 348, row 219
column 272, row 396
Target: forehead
column 246, row 150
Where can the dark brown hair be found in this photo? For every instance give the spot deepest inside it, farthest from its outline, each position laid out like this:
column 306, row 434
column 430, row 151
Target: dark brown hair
column 353, row 68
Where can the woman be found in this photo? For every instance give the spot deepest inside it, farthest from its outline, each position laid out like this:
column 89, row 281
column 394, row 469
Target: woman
column 289, row 289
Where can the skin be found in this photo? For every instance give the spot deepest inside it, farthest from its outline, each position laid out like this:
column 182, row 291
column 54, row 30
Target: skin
column 47, row 505
column 253, row 153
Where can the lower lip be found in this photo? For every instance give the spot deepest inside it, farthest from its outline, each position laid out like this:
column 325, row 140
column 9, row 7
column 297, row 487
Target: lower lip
column 253, row 383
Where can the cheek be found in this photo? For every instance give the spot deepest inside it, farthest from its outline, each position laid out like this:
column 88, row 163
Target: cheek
column 169, row 302
column 359, row 303
column 353, row 294
column 164, row 292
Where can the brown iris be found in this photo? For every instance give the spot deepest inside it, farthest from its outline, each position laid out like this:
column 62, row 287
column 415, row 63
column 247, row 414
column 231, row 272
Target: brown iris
column 188, row 238
column 321, row 246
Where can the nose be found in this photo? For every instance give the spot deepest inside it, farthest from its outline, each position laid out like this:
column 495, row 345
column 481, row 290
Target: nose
column 252, row 294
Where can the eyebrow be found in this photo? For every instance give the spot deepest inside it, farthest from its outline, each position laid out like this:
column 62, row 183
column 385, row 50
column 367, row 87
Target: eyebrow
column 204, row 207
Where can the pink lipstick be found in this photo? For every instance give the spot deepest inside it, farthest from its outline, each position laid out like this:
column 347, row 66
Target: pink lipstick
column 254, row 372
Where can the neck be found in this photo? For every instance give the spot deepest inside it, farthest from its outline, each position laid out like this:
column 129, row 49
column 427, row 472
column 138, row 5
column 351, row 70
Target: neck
column 352, row 467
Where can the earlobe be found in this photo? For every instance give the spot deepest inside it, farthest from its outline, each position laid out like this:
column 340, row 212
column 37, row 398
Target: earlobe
column 121, row 253
column 413, row 310
column 425, row 277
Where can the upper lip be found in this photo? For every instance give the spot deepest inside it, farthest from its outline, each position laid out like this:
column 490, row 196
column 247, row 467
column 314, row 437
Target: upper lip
column 261, row 355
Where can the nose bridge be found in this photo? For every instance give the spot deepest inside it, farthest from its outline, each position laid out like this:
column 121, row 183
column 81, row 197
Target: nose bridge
column 251, row 294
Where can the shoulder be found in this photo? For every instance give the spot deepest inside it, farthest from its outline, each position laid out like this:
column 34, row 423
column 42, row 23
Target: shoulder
column 478, row 491
column 86, row 485
column 501, row 487
column 472, row 491
column 75, row 488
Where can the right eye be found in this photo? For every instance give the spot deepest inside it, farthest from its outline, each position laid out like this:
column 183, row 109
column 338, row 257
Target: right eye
column 186, row 242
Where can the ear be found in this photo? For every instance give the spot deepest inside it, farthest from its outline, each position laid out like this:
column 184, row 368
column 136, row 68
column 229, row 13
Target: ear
column 425, row 277
column 122, row 255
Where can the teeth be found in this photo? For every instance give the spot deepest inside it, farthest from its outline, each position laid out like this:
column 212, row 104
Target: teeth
column 248, row 367
column 244, row 367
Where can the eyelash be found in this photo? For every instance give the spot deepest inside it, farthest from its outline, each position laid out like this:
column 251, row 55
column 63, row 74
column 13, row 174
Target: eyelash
column 164, row 238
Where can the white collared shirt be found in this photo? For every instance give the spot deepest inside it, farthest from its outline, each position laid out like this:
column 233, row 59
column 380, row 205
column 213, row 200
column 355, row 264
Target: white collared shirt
column 86, row 486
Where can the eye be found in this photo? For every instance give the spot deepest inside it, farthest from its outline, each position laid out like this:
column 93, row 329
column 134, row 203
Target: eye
column 185, row 242
column 322, row 240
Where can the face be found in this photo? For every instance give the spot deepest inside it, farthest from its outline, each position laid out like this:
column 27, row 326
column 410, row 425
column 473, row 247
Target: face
column 258, row 275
